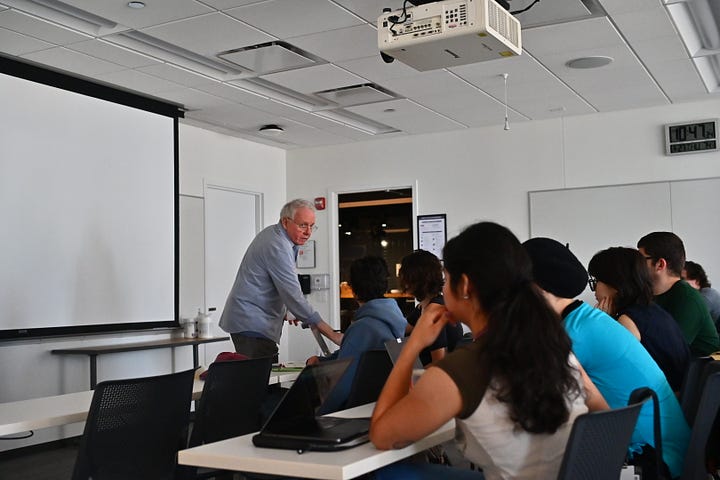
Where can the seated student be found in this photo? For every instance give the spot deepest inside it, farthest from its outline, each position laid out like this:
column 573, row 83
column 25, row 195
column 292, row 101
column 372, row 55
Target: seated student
column 623, row 290
column 421, row 276
column 694, row 274
column 664, row 254
column 378, row 319
column 613, row 359
column 515, row 391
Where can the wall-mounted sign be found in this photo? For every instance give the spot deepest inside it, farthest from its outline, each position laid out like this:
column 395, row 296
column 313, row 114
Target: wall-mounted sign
column 306, row 255
column 432, row 233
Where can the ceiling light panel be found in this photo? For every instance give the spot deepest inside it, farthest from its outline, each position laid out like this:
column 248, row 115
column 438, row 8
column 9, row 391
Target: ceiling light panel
column 286, row 19
column 155, row 12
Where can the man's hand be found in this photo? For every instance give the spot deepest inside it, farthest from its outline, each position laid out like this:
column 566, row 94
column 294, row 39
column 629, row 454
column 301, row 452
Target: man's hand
column 290, row 318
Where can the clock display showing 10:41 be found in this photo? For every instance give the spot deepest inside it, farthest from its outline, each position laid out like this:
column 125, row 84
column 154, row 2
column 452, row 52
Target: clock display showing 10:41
column 692, row 132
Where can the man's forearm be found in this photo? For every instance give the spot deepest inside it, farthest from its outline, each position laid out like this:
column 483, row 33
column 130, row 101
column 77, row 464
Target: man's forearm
column 325, row 329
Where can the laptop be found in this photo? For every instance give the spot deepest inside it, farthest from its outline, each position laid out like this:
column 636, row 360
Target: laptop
column 395, row 346
column 320, row 341
column 295, row 425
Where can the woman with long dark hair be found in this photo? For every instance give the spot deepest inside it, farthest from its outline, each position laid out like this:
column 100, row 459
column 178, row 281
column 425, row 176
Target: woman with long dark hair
column 515, row 391
column 620, row 279
column 421, row 276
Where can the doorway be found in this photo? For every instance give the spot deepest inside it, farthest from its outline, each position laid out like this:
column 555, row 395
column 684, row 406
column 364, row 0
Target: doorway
column 378, row 223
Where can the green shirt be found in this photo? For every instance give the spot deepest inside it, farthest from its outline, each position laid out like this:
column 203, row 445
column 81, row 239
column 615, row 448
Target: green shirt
column 689, row 310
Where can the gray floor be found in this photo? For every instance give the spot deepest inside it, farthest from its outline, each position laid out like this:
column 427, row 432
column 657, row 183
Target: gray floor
column 53, row 462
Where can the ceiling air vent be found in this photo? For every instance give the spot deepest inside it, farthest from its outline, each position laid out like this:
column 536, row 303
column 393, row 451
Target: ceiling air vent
column 357, row 94
column 270, row 57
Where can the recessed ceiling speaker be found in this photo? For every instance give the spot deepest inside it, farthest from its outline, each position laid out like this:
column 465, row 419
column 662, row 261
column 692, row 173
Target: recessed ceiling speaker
column 271, row 129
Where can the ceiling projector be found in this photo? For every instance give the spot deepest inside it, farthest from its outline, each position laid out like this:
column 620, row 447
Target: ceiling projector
column 448, row 33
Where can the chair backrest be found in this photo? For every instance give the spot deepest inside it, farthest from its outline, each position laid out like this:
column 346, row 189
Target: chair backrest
column 373, row 369
column 695, row 467
column 231, row 400
column 135, row 428
column 598, row 443
column 691, row 388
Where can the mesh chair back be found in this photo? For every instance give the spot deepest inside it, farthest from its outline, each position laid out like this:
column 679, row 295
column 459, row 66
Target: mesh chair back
column 598, row 444
column 135, row 428
column 703, row 430
column 232, row 396
column 372, row 372
column 692, row 387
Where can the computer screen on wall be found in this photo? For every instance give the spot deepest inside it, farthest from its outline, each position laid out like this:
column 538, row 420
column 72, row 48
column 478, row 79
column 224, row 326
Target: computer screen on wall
column 87, row 207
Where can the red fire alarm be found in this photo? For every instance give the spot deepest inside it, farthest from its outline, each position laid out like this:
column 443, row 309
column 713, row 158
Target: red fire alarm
column 320, row 203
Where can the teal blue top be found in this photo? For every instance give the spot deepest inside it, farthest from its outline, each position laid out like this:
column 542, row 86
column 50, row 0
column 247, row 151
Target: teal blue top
column 618, row 364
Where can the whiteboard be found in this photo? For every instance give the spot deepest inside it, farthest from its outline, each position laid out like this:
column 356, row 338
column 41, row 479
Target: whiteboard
column 596, row 218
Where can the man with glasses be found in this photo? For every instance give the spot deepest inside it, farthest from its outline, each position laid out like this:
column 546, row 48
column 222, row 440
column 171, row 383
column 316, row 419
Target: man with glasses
column 664, row 253
column 267, row 286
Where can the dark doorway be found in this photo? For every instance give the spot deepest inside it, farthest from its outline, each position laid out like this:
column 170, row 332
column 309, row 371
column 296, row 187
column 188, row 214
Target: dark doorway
column 376, row 223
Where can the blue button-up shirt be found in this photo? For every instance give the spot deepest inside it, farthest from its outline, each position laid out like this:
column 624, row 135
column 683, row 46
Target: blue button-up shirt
column 266, row 286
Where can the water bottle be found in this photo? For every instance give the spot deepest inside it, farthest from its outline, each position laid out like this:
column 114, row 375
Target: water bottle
column 204, row 325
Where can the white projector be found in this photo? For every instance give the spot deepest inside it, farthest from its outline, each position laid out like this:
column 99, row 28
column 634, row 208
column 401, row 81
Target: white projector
column 449, row 33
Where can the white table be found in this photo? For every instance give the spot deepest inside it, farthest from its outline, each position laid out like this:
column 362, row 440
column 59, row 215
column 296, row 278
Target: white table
column 44, row 412
column 240, row 454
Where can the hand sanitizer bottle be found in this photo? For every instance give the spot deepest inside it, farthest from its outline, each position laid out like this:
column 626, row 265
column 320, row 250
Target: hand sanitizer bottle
column 204, row 326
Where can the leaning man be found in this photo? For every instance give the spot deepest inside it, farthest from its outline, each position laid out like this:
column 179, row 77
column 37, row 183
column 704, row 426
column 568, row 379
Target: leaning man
column 267, row 286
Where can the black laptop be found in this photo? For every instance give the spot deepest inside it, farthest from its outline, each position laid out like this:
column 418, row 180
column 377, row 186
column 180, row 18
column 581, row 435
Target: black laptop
column 295, row 425
column 395, row 346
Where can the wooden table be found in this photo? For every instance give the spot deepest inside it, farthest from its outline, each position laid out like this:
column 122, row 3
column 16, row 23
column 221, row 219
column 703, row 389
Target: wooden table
column 93, row 352
column 240, row 454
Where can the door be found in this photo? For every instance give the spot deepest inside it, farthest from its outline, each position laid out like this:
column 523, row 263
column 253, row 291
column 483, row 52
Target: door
column 232, row 219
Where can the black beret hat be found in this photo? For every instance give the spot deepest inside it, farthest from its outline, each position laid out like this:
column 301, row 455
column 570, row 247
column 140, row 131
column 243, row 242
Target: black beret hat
column 555, row 269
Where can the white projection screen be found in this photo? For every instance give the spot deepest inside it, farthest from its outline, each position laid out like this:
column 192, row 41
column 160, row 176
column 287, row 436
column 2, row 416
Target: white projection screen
column 88, row 208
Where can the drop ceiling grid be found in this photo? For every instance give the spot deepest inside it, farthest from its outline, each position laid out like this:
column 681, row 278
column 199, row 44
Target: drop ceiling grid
column 191, row 98
column 376, row 70
column 209, row 34
column 407, row 116
column 138, row 81
column 314, row 79
column 17, row 44
column 370, row 10
column 175, row 74
column 122, row 56
column 285, row 19
column 65, row 59
column 154, row 12
column 342, row 44
column 37, row 28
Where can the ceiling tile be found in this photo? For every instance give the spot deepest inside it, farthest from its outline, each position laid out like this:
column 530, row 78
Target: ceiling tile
column 293, row 18
column 154, row 12
column 116, row 54
column 137, row 81
column 616, row 7
column 427, row 83
column 571, row 37
column 678, row 79
column 375, row 69
column 40, row 29
column 645, row 24
column 660, row 49
column 209, row 34
column 406, row 115
column 549, row 11
column 370, row 10
column 234, row 115
column 175, row 74
column 17, row 44
column 232, row 93
column 225, row 4
column 342, row 44
column 190, row 98
column 79, row 63
column 314, row 79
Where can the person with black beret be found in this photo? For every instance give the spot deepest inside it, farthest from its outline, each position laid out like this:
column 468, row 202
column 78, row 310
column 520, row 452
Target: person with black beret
column 613, row 358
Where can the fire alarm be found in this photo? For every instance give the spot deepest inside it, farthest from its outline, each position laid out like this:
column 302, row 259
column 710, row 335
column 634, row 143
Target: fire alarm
column 320, row 203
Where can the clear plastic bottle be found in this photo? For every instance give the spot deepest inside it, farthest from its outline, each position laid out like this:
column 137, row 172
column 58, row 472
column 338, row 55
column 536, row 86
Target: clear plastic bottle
column 204, row 325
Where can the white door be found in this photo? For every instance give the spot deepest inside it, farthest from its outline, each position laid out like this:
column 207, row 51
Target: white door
column 232, row 219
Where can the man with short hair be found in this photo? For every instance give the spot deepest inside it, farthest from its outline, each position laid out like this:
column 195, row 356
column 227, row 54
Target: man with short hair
column 665, row 256
column 267, row 286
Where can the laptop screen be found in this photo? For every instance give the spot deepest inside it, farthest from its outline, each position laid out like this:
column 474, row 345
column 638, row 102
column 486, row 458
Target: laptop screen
column 307, row 394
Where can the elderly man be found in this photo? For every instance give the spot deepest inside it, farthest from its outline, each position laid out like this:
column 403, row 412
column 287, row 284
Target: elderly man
column 267, row 286
column 665, row 255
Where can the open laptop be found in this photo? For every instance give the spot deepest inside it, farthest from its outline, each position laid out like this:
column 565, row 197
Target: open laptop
column 320, row 341
column 395, row 346
column 295, row 425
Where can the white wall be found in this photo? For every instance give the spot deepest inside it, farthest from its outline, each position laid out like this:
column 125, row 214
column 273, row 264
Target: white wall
column 486, row 174
column 29, row 370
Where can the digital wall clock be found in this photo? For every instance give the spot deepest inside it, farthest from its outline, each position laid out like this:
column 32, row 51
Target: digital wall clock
column 692, row 137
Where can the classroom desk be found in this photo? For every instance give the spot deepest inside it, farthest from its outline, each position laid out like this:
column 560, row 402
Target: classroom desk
column 240, row 454
column 93, row 352
column 44, row 412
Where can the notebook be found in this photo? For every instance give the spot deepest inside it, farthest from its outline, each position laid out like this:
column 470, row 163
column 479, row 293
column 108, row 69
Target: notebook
column 295, row 425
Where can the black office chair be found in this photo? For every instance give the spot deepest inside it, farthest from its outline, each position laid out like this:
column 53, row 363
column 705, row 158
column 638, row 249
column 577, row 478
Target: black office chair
column 598, row 443
column 702, row 452
column 691, row 388
column 135, row 428
column 230, row 405
column 373, row 369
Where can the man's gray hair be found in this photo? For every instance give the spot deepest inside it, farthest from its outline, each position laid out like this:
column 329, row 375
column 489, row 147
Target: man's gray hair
column 289, row 209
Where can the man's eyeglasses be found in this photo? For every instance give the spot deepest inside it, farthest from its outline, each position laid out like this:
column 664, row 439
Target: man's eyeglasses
column 304, row 226
column 592, row 281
